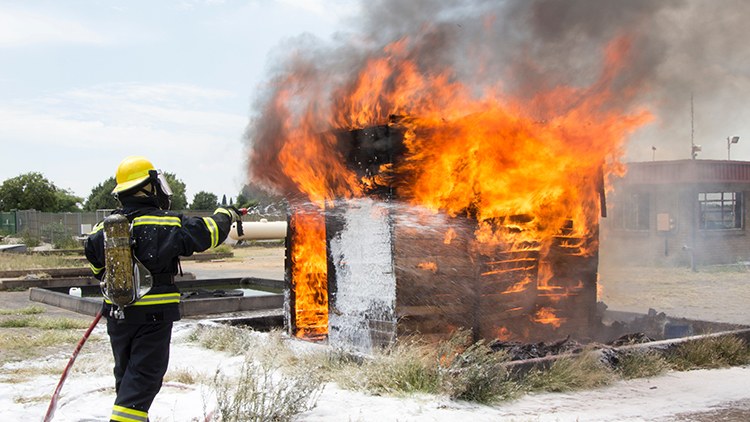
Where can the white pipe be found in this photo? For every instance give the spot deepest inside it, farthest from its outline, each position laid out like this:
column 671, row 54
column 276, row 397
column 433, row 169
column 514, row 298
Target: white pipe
column 259, row 230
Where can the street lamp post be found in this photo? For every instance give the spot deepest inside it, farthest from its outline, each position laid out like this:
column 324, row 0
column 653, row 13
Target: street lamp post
column 730, row 141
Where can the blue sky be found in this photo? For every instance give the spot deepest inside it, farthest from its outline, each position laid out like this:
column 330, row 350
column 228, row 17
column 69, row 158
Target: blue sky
column 85, row 83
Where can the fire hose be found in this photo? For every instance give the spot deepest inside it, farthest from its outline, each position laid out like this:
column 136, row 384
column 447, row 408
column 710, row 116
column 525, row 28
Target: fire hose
column 56, row 395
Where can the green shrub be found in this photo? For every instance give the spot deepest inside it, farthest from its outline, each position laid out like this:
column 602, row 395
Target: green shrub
column 476, row 374
column 66, row 242
column 709, row 352
column 262, row 393
column 30, row 240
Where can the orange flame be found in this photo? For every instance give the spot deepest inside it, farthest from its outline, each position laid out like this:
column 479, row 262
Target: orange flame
column 518, row 287
column 524, row 168
column 309, row 274
column 450, row 234
column 547, row 316
column 428, row 266
column 491, row 155
column 503, row 334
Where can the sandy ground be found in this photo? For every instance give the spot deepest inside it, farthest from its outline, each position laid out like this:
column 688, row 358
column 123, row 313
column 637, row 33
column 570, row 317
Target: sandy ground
column 710, row 294
column 252, row 261
column 706, row 395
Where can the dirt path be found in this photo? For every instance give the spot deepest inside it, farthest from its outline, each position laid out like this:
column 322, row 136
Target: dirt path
column 251, row 261
column 719, row 294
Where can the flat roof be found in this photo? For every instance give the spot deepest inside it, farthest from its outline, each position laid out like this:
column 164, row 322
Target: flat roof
column 687, row 171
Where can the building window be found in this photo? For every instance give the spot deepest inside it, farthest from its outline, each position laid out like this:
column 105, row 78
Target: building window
column 632, row 212
column 720, row 210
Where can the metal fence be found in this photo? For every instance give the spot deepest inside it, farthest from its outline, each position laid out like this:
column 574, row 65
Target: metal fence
column 7, row 223
column 55, row 226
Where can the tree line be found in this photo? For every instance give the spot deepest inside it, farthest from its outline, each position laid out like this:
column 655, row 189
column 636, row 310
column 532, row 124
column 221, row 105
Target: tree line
column 33, row 191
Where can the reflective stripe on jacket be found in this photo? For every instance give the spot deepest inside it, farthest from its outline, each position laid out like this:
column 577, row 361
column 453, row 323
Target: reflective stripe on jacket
column 160, row 238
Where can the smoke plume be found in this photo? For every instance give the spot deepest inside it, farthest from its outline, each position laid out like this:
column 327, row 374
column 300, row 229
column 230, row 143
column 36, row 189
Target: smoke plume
column 676, row 50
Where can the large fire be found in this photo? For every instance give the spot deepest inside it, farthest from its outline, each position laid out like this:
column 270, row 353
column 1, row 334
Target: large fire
column 308, row 255
column 523, row 168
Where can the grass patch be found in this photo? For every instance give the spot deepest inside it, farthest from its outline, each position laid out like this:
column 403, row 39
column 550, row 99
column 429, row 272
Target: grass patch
column 17, row 346
column 44, row 323
column 225, row 338
column 24, row 374
column 456, row 367
column 32, row 399
column 182, row 375
column 463, row 370
column 709, row 352
column 19, row 261
column 405, row 368
column 29, row 310
column 641, row 364
column 578, row 372
column 12, row 341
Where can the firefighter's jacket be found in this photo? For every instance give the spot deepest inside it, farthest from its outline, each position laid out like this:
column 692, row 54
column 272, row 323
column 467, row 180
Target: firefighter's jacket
column 160, row 237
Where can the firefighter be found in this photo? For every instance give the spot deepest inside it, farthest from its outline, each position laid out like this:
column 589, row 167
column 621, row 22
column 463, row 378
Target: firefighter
column 141, row 334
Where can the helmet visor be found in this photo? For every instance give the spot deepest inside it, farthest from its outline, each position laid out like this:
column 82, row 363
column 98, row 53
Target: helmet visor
column 163, row 184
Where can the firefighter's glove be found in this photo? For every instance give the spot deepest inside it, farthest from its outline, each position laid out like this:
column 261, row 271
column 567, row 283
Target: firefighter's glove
column 236, row 214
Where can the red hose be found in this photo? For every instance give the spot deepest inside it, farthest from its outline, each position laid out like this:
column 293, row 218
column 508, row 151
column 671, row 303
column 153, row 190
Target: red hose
column 56, row 395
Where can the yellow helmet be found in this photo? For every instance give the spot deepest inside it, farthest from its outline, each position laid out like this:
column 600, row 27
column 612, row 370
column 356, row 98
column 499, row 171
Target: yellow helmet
column 131, row 172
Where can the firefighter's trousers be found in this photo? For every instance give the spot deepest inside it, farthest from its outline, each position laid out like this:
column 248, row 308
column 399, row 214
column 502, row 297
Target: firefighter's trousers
column 141, row 354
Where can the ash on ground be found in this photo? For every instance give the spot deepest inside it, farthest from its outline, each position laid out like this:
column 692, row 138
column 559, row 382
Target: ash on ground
column 612, row 332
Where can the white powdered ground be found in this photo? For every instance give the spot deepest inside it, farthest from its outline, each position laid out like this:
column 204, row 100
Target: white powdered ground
column 88, row 394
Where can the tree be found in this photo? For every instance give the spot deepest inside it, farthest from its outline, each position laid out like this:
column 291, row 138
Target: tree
column 101, row 197
column 204, row 201
column 33, row 191
column 67, row 201
column 179, row 200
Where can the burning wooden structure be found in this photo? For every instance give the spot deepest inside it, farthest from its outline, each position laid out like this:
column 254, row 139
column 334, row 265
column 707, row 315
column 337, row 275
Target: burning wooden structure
column 368, row 270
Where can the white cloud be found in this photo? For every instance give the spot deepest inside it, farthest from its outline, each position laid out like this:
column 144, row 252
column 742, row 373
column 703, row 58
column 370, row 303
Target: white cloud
column 21, row 28
column 152, row 92
column 324, row 8
column 181, row 128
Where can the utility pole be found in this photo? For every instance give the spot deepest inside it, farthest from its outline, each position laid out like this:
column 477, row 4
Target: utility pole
column 694, row 149
column 694, row 189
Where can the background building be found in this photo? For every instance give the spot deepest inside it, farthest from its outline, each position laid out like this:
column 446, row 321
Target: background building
column 684, row 212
